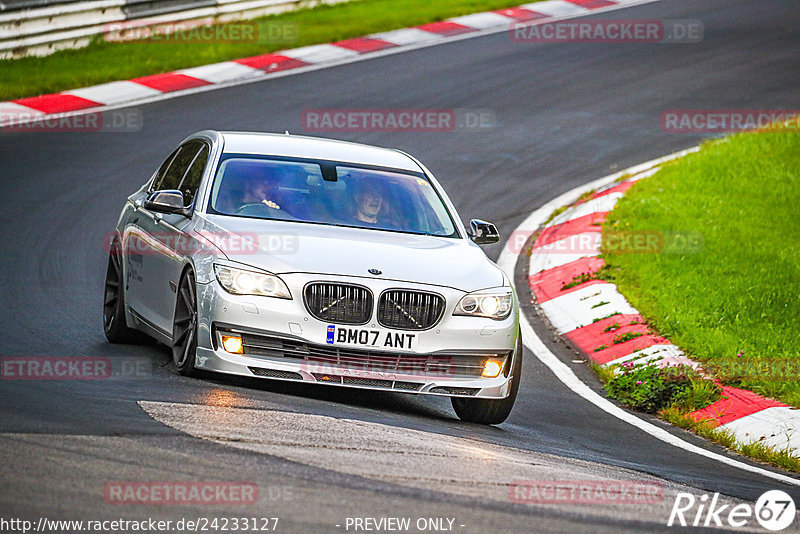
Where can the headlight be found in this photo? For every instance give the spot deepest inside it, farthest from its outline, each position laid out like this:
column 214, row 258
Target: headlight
column 492, row 303
column 242, row 282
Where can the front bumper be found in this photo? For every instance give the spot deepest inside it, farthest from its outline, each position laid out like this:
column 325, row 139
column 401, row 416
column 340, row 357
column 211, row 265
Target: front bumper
column 284, row 342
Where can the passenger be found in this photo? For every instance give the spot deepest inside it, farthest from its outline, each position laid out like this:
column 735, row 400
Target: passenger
column 369, row 203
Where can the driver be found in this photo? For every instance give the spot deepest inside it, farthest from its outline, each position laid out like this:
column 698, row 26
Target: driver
column 258, row 195
column 259, row 191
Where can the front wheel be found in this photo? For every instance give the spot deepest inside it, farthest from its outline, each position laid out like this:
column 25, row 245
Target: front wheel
column 184, row 326
column 491, row 411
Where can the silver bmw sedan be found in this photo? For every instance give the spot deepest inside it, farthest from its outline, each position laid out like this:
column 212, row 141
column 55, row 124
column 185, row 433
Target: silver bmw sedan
column 314, row 260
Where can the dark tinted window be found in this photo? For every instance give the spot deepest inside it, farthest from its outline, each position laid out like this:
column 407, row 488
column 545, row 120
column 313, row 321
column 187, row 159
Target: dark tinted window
column 162, row 170
column 191, row 181
column 171, row 179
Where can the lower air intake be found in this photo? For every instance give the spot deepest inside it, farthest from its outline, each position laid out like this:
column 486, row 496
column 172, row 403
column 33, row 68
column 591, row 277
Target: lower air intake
column 455, row 391
column 272, row 373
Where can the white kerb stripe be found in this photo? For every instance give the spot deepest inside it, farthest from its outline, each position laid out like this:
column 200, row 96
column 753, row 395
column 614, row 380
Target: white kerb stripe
column 564, row 251
column 599, row 204
column 222, row 72
column 114, row 92
column 11, row 113
column 406, row 36
column 582, row 307
column 483, row 21
column 778, row 426
column 323, row 53
column 555, row 8
column 660, row 356
column 645, row 174
column 649, row 354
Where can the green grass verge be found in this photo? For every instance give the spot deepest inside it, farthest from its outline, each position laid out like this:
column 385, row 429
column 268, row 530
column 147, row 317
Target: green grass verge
column 104, row 61
column 672, row 393
column 732, row 301
column 652, row 389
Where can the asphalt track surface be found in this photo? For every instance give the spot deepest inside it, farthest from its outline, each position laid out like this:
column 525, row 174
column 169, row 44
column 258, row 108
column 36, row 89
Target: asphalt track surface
column 566, row 114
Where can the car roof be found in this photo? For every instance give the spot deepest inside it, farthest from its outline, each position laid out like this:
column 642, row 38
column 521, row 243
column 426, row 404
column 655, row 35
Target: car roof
column 315, row 148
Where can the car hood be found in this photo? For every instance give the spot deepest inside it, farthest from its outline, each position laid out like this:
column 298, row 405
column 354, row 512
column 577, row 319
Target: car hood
column 289, row 247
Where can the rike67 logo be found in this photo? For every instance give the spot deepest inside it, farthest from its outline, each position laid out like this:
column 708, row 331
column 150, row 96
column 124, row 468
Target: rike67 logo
column 774, row 510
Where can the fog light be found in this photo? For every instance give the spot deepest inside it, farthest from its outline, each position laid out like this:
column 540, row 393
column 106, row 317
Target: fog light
column 232, row 344
column 492, row 368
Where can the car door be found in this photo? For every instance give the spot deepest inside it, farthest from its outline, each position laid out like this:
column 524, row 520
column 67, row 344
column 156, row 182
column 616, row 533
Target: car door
column 161, row 245
column 136, row 245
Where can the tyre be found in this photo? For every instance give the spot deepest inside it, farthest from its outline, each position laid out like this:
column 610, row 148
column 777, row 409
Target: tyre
column 184, row 326
column 114, row 324
column 491, row 411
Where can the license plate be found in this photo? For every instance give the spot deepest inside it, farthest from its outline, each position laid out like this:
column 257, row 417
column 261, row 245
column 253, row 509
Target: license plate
column 366, row 337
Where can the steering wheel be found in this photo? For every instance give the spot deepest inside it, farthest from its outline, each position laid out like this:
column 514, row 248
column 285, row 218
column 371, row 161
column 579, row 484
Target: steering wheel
column 252, row 207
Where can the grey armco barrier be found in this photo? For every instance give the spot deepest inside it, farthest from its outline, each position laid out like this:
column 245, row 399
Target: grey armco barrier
column 40, row 27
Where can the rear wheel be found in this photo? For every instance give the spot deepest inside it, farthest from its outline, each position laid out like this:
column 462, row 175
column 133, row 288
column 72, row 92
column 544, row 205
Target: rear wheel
column 492, row 411
column 184, row 326
column 114, row 323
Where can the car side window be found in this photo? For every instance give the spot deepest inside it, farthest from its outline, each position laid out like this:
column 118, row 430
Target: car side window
column 163, row 170
column 171, row 179
column 191, row 180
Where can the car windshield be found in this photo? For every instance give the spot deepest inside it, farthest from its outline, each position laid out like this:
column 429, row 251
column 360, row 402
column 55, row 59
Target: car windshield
column 329, row 193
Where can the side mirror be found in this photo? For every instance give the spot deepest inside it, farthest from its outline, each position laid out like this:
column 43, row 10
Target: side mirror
column 167, row 201
column 482, row 232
